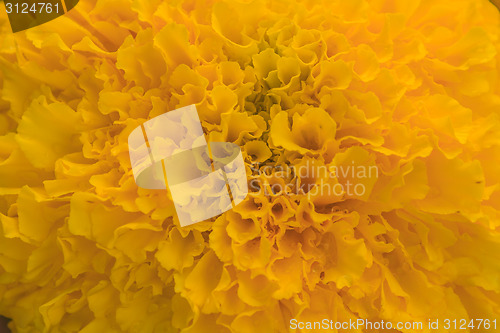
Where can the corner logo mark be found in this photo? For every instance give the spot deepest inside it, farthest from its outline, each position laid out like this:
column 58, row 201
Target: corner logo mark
column 170, row 151
column 25, row 14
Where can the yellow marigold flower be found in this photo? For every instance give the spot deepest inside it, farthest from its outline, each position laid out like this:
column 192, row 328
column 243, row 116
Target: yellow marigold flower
column 370, row 132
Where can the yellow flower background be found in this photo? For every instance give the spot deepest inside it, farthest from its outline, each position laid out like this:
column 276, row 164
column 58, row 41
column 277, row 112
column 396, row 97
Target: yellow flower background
column 411, row 87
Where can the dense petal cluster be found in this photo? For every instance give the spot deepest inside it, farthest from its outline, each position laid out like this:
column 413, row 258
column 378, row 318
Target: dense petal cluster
column 310, row 90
